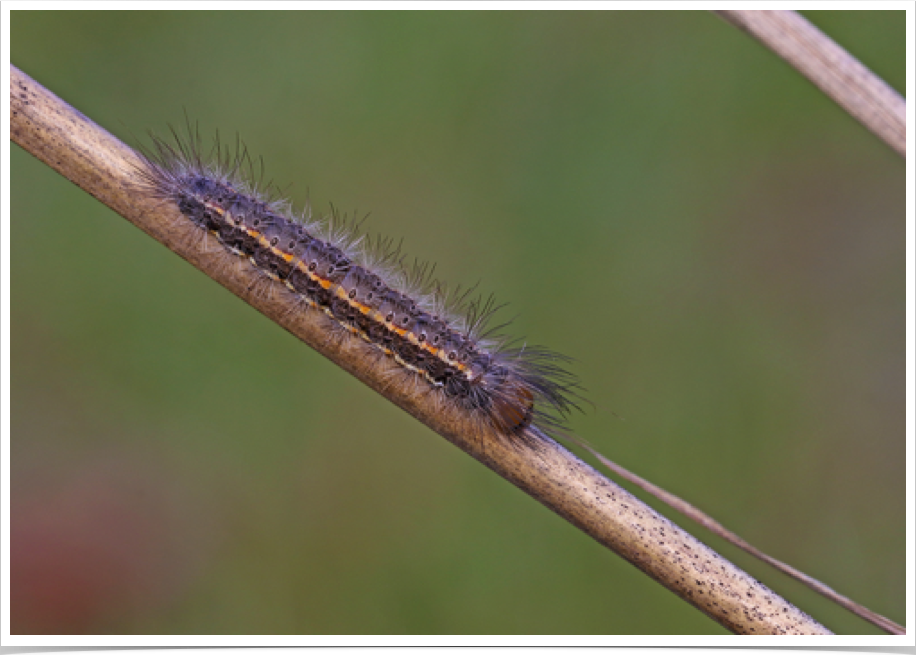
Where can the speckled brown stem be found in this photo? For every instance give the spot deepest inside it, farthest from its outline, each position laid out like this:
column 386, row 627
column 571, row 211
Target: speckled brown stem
column 89, row 156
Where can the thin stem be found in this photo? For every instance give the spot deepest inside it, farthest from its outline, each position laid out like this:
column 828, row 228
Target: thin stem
column 834, row 71
column 699, row 516
column 70, row 143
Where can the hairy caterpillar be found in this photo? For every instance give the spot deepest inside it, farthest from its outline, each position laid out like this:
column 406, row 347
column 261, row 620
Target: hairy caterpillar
column 440, row 338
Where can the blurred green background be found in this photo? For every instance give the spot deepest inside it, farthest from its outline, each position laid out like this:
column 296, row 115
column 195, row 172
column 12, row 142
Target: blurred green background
column 718, row 245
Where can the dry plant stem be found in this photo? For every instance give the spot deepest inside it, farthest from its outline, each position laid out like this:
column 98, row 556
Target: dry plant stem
column 717, row 528
column 833, row 70
column 89, row 156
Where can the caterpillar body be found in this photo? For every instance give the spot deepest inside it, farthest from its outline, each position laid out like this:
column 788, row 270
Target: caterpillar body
column 441, row 339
